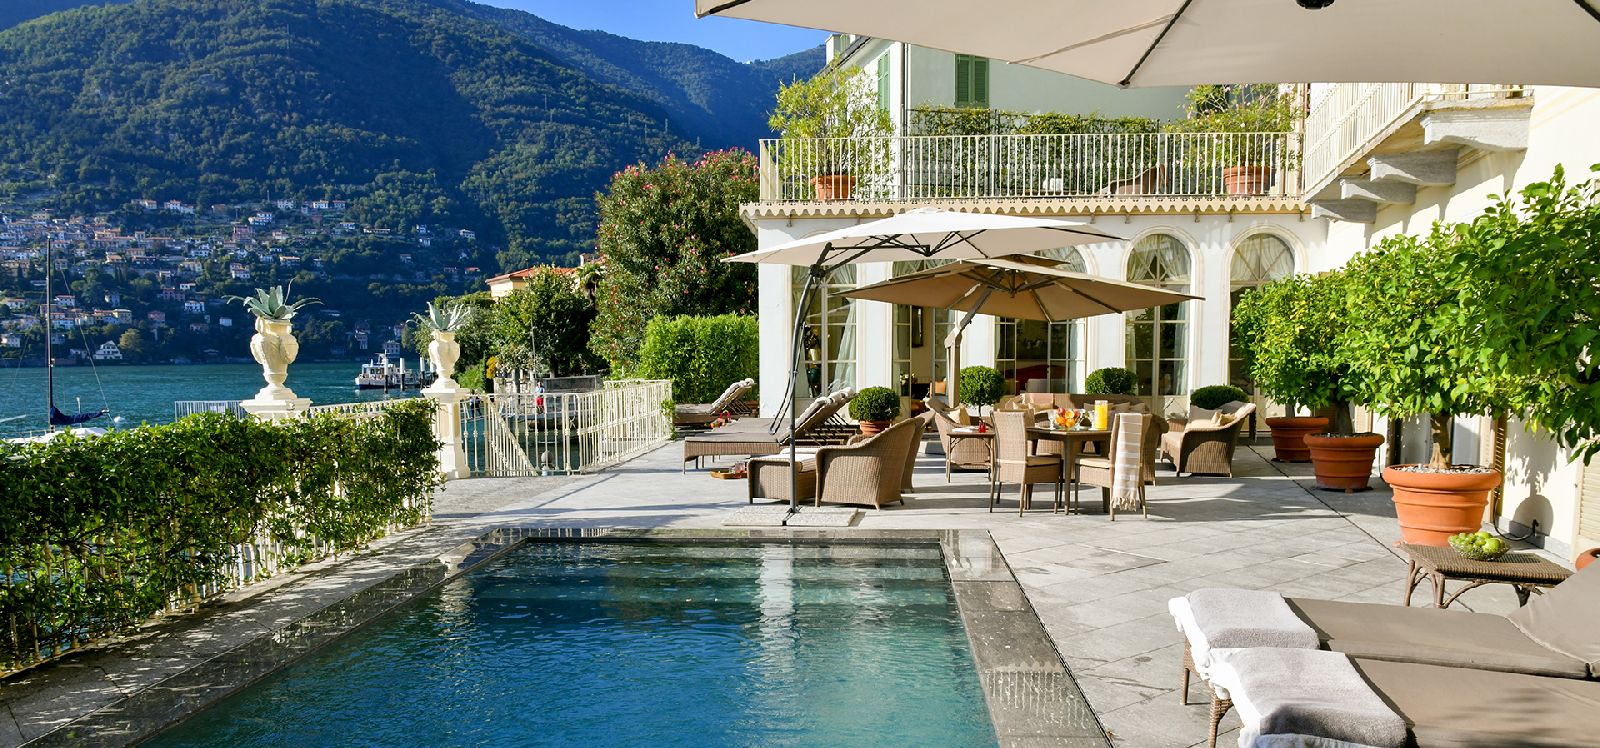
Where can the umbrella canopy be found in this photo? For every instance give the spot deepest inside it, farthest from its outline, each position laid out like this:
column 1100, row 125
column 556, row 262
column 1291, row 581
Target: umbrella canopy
column 1188, row 42
column 1017, row 287
column 927, row 233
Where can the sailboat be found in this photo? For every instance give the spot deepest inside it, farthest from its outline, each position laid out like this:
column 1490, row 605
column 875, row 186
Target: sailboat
column 57, row 418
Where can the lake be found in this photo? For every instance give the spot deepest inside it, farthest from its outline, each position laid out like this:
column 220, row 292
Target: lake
column 144, row 394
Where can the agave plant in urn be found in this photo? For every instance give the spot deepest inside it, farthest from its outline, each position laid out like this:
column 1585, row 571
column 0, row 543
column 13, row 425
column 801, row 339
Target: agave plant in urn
column 273, row 345
column 444, row 320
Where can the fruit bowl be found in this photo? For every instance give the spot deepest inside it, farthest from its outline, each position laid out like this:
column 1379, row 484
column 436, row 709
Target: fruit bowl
column 1479, row 546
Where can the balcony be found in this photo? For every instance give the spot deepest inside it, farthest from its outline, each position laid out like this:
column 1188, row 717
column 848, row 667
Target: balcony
column 1027, row 167
column 1424, row 123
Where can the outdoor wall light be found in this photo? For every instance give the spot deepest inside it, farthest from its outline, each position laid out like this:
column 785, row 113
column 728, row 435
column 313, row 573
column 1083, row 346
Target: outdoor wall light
column 1314, row 4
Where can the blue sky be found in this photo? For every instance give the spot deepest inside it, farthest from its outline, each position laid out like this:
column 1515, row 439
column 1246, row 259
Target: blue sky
column 672, row 21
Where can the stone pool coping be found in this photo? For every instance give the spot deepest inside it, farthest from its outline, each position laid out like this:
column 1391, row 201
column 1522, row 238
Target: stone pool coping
column 1032, row 696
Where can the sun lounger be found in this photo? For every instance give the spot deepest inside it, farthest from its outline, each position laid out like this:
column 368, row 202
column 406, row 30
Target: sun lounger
column 1284, row 699
column 1554, row 636
column 700, row 414
column 817, row 425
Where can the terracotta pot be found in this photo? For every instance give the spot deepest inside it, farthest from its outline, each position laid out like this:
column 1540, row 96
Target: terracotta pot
column 1343, row 463
column 1587, row 557
column 1433, row 506
column 833, row 186
column 1247, row 180
column 1289, row 437
column 872, row 427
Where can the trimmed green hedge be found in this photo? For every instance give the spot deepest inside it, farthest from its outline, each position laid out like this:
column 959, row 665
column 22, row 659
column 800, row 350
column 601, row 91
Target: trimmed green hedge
column 701, row 355
column 981, row 386
column 99, row 534
column 1110, row 381
column 875, row 404
column 1217, row 395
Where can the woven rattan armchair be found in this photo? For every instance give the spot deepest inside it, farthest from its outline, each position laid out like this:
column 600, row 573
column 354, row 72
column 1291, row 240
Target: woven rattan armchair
column 1201, row 447
column 870, row 471
column 959, row 454
column 1014, row 464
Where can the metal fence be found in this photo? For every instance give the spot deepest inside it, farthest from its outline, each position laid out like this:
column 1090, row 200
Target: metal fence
column 913, row 168
column 524, row 434
column 1345, row 120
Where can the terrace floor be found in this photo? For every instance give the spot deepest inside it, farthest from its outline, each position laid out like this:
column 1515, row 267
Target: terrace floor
column 1099, row 587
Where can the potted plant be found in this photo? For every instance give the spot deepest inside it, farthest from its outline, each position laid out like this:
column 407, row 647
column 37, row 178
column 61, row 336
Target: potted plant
column 1293, row 328
column 1414, row 339
column 981, row 387
column 1111, row 380
column 1220, row 109
column 1212, row 397
column 273, row 346
column 444, row 321
column 874, row 408
column 833, row 131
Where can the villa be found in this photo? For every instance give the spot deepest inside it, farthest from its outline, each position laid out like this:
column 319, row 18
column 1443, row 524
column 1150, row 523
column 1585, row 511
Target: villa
column 1376, row 160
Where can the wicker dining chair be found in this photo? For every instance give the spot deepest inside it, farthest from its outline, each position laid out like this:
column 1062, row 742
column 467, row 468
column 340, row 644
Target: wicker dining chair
column 959, row 454
column 1013, row 464
column 1104, row 471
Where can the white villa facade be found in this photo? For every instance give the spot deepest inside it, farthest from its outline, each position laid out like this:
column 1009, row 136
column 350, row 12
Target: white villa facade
column 1371, row 160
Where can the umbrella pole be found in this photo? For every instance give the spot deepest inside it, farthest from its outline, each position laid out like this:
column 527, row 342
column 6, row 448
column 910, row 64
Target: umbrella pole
column 953, row 377
column 814, row 275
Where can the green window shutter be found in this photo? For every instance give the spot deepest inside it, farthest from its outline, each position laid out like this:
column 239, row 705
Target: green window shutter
column 963, row 80
column 883, row 81
column 980, row 82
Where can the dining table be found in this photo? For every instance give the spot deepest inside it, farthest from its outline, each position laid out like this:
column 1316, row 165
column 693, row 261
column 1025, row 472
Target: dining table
column 1072, row 441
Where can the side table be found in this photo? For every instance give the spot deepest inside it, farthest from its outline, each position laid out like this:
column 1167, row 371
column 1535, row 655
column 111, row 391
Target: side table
column 1525, row 572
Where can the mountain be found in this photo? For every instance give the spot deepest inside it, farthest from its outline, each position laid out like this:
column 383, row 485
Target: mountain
column 435, row 112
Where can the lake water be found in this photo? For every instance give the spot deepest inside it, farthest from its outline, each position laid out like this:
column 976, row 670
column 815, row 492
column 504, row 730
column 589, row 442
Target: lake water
column 138, row 394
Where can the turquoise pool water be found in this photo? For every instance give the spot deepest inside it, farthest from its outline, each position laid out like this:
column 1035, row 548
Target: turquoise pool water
column 620, row 644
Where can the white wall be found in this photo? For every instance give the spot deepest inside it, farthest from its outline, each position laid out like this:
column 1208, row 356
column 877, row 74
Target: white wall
column 1025, row 89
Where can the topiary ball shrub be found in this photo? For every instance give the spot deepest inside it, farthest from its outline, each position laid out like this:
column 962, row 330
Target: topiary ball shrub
column 875, row 404
column 1217, row 395
column 1110, row 381
column 981, row 386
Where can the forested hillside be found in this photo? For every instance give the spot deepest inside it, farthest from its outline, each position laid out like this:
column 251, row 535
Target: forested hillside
column 435, row 112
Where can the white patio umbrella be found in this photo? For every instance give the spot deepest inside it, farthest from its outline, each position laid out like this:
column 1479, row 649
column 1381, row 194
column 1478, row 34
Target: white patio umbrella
column 1188, row 42
column 1021, row 287
column 921, row 234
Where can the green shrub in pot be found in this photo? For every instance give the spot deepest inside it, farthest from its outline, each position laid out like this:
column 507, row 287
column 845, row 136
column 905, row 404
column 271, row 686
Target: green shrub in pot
column 875, row 404
column 1217, row 395
column 1111, row 380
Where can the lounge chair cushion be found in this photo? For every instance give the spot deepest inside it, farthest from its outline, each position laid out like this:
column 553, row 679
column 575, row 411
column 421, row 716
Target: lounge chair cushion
column 1304, row 692
column 1566, row 618
column 1451, row 638
column 1458, row 707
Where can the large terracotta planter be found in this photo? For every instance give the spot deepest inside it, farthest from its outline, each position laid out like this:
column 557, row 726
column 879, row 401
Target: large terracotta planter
column 1587, row 557
column 869, row 428
column 1343, row 463
column 1433, row 506
column 1247, row 180
column 1289, row 437
column 833, row 186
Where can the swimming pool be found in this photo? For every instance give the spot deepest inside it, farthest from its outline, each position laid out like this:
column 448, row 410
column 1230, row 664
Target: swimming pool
column 628, row 643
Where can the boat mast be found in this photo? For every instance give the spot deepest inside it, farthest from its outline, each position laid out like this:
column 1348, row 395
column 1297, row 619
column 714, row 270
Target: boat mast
column 49, row 330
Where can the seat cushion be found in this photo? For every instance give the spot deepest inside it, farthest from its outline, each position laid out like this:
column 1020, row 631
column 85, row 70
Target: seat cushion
column 1449, row 707
column 1172, row 443
column 1201, row 416
column 1566, row 617
column 1451, row 638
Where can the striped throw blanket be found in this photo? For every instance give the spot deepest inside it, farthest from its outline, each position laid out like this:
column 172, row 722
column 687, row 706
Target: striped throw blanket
column 1128, row 472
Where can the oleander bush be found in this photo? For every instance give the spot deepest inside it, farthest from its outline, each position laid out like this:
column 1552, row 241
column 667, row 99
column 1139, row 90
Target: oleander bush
column 99, row 534
column 701, row 355
column 1110, row 381
column 1217, row 395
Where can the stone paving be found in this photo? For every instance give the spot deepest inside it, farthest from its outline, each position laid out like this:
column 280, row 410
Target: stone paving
column 1099, row 587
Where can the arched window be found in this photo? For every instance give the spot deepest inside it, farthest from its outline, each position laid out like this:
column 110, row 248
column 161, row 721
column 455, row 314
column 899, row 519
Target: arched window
column 1260, row 259
column 830, row 334
column 1158, row 349
column 1036, row 356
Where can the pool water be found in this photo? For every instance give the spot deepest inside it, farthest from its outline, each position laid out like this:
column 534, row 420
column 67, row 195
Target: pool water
column 627, row 644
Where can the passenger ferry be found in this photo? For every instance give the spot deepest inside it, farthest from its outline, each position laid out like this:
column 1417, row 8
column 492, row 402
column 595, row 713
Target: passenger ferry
column 384, row 374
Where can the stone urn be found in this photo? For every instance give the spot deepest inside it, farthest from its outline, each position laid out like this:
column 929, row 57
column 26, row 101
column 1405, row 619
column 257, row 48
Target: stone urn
column 274, row 347
column 443, row 353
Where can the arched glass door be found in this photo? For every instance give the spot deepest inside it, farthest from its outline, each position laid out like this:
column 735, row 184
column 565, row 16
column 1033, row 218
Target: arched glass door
column 1158, row 338
column 1260, row 259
